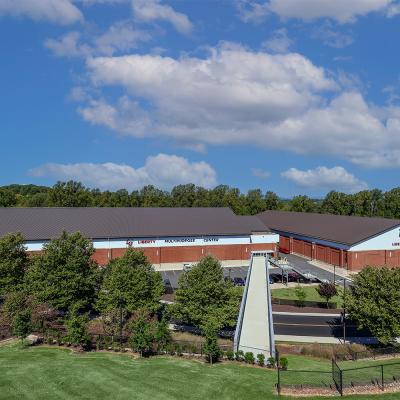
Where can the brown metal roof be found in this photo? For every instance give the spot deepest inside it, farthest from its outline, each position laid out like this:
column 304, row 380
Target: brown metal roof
column 342, row 229
column 99, row 223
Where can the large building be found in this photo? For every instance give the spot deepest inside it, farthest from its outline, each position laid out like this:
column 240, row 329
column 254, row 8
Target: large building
column 170, row 237
column 345, row 241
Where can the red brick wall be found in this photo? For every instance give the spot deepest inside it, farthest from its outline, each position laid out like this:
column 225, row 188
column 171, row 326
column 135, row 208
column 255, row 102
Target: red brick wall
column 101, row 256
column 319, row 252
column 360, row 259
column 176, row 254
column 181, row 254
column 393, row 258
column 284, row 244
column 231, row 252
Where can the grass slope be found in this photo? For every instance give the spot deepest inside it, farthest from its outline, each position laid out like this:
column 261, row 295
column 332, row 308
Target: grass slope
column 311, row 293
column 46, row 373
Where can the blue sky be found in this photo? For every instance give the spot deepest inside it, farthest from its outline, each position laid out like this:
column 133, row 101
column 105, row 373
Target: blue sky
column 294, row 96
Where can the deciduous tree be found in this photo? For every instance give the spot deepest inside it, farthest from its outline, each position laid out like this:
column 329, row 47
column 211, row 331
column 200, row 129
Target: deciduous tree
column 374, row 302
column 204, row 293
column 130, row 282
column 64, row 273
column 143, row 332
column 326, row 290
column 13, row 262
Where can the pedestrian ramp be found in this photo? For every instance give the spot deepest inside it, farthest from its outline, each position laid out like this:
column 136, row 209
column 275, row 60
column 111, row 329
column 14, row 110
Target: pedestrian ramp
column 255, row 330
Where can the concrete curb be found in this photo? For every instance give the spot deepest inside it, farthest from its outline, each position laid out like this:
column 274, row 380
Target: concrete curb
column 305, row 314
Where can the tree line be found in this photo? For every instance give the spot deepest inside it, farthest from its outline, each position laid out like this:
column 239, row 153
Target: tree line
column 371, row 203
column 63, row 286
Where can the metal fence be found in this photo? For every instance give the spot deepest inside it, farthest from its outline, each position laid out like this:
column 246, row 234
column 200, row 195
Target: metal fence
column 302, row 380
column 374, row 376
column 341, row 380
column 373, row 353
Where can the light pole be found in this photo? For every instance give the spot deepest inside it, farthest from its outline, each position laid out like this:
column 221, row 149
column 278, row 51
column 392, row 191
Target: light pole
column 334, row 274
column 344, row 310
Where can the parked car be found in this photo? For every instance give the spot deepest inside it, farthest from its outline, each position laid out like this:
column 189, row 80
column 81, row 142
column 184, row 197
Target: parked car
column 238, row 281
column 309, row 276
column 187, row 267
column 293, row 277
column 276, row 278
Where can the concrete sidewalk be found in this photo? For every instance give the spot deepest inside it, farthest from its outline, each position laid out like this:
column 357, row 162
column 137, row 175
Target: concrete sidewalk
column 306, row 314
column 340, row 272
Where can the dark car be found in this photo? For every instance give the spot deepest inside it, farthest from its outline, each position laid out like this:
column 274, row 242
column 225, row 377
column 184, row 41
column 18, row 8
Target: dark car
column 294, row 277
column 276, row 278
column 238, row 281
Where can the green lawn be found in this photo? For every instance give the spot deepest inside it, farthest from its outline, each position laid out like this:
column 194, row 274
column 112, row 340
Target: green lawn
column 312, row 295
column 52, row 373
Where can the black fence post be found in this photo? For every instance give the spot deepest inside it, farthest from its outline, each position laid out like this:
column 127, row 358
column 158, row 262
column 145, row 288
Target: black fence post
column 341, row 382
column 277, row 360
column 383, row 381
column 279, row 381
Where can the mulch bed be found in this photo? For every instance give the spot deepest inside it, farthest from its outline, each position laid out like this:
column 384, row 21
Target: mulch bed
column 393, row 387
column 309, row 392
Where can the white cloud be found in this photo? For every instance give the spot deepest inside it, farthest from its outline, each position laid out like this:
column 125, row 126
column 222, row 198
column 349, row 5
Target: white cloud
column 68, row 46
column 56, row 11
column 252, row 10
column 393, row 10
column 163, row 171
column 332, row 37
column 153, row 10
column 260, row 173
column 106, row 2
column 336, row 178
column 279, row 42
column 120, row 37
column 343, row 11
column 239, row 97
column 232, row 86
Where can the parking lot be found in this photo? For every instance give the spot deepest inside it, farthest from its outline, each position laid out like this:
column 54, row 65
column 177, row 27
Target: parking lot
column 238, row 276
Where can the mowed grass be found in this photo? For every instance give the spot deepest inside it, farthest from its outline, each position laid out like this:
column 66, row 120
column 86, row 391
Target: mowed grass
column 311, row 293
column 41, row 373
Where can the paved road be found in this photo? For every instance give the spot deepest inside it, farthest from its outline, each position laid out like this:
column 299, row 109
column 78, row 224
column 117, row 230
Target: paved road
column 301, row 325
column 317, row 326
column 234, row 272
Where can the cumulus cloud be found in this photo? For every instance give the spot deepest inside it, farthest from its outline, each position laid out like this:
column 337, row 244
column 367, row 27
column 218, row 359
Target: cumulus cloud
column 236, row 96
column 336, row 178
column 154, row 10
column 279, row 41
column 120, row 37
column 56, row 11
column 342, row 11
column 232, row 86
column 163, row 171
